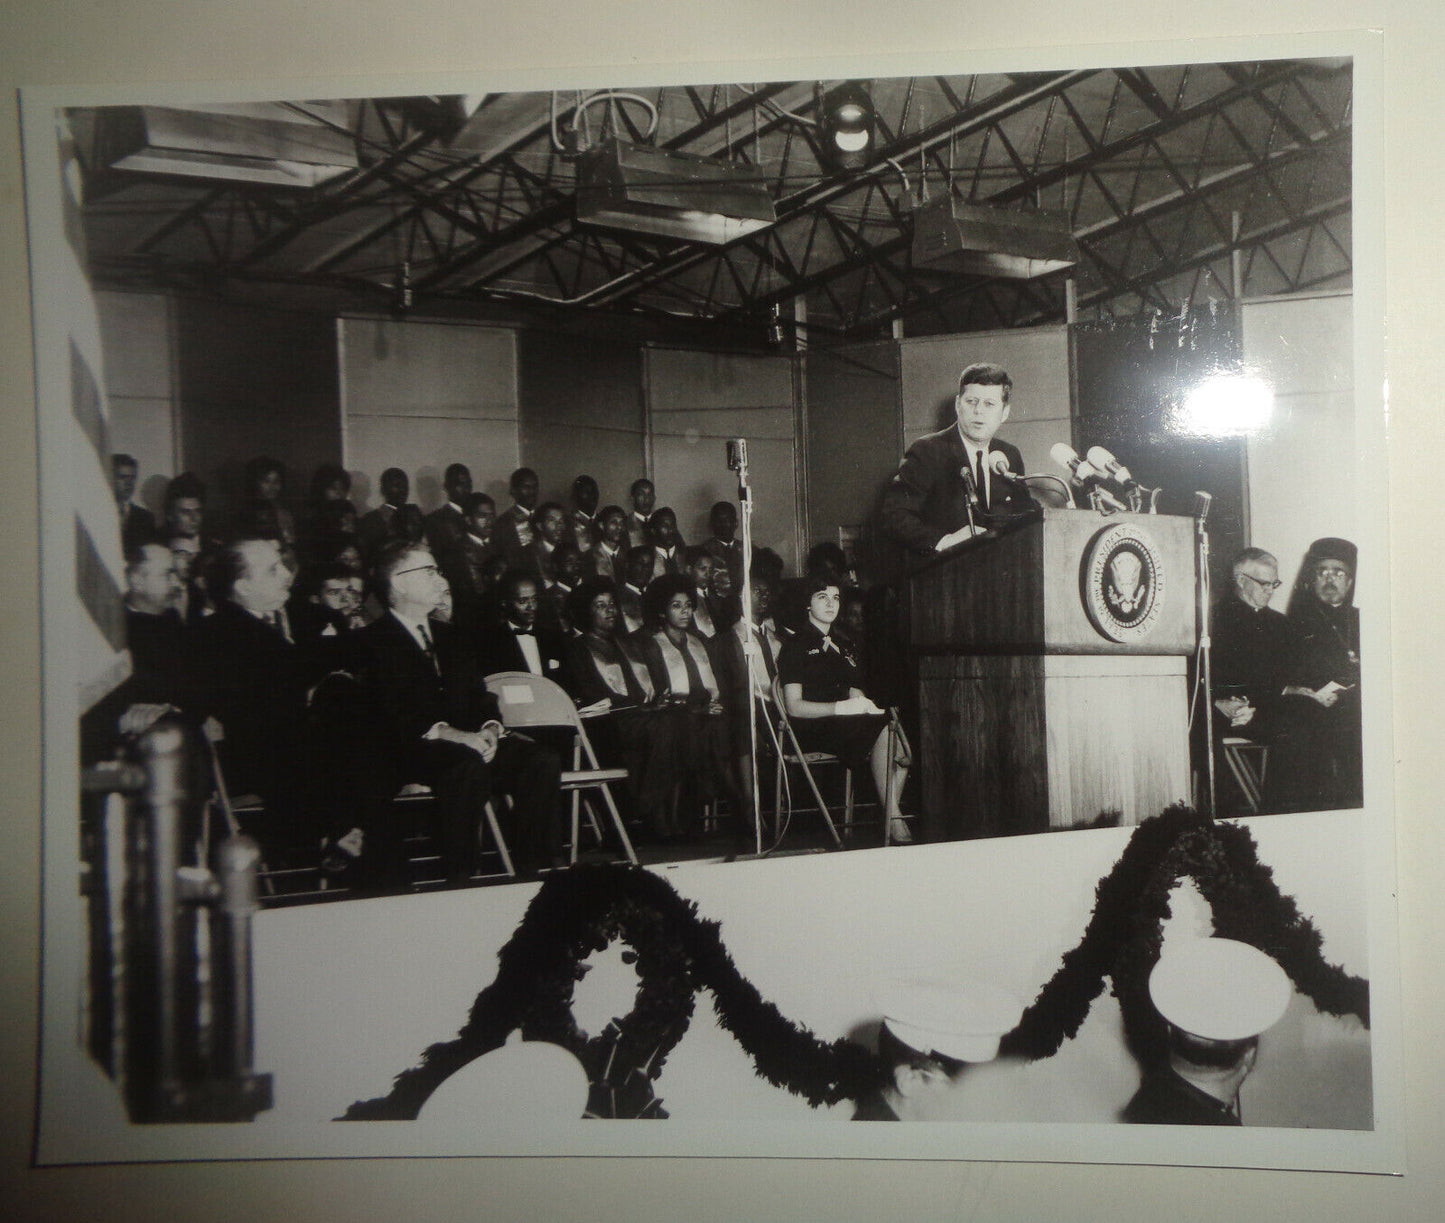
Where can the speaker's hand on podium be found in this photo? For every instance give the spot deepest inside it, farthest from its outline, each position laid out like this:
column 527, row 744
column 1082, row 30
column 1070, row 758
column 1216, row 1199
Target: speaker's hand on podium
column 957, row 537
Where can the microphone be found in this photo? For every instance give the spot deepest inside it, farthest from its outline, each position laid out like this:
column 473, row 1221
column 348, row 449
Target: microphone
column 1110, row 466
column 1081, row 470
column 969, row 483
column 998, row 465
column 1201, row 505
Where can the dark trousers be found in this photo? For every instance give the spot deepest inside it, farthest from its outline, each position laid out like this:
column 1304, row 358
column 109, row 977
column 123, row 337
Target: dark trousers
column 462, row 783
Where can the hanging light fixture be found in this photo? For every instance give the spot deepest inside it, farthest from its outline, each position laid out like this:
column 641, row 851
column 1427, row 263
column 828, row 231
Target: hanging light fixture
column 952, row 236
column 846, row 121
column 642, row 189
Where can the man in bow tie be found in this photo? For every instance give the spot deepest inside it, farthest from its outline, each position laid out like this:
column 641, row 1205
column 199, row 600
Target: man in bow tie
column 517, row 643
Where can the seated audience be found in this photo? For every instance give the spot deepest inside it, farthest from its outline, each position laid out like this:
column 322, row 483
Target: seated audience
column 608, row 556
column 184, row 509
column 556, row 597
column 637, row 576
column 643, row 496
column 444, row 527
column 636, row 730
column 250, row 675
column 518, row 642
column 514, row 525
column 700, row 565
column 383, row 523
column 549, row 529
column 827, row 706
column 440, row 725
column 1326, row 668
column 682, row 675
column 667, row 543
column 730, row 667
column 722, row 545
column 154, row 630
column 137, row 524
column 265, row 498
column 581, row 522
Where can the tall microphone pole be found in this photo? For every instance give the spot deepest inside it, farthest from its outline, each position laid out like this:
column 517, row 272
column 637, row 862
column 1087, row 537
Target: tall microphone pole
column 737, row 452
column 1202, row 500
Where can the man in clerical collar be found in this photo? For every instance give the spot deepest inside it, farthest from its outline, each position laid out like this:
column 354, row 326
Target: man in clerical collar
column 514, row 524
column 644, row 497
column 608, row 558
column 666, row 542
column 1326, row 667
column 584, row 506
column 930, row 1034
column 1216, row 997
column 154, row 630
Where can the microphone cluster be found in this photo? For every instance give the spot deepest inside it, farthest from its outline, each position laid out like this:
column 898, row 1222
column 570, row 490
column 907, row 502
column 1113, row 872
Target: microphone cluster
column 1101, row 477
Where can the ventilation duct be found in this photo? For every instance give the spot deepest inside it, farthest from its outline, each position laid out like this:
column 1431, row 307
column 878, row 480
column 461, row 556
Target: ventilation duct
column 647, row 190
column 951, row 236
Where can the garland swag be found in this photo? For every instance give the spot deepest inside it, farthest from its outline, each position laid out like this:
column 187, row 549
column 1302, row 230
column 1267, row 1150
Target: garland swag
column 585, row 908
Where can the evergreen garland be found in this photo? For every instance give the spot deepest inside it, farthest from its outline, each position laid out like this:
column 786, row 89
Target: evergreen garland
column 585, row 908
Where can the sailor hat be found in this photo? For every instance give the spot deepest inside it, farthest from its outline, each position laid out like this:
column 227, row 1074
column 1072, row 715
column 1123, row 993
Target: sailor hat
column 1218, row 988
column 959, row 1022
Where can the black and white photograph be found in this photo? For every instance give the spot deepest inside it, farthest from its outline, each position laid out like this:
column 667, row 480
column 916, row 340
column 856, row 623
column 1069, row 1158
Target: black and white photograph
column 752, row 604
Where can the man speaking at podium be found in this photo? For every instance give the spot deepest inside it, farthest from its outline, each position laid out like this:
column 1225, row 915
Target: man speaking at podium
column 959, row 475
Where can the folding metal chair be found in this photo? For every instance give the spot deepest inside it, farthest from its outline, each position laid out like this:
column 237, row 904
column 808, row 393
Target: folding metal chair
column 528, row 700
column 790, row 752
column 1237, row 752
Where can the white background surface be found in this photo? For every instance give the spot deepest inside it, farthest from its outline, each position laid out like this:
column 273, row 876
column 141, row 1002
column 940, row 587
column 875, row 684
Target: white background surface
column 92, row 42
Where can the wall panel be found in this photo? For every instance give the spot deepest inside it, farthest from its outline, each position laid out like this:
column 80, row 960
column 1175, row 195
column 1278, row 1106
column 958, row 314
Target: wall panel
column 1036, row 358
column 581, row 412
column 694, row 401
column 419, row 396
column 1302, row 467
column 139, row 368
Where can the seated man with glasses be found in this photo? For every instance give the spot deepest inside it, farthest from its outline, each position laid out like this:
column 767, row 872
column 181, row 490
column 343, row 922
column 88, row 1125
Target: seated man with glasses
column 1254, row 648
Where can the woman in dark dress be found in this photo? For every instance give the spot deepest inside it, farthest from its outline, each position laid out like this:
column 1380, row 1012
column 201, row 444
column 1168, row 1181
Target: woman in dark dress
column 683, row 677
column 825, row 702
column 636, row 731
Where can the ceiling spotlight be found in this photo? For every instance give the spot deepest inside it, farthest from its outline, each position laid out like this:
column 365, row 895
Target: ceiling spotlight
column 846, row 121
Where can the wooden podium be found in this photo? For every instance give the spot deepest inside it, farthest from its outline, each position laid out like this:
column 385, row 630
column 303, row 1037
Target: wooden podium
column 1050, row 667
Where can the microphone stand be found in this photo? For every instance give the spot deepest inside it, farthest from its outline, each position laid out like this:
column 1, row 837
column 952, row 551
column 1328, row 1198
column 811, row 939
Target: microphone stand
column 1201, row 537
column 750, row 662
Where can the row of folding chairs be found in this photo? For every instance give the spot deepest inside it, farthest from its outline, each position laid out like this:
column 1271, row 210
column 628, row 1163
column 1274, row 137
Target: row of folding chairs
column 526, row 702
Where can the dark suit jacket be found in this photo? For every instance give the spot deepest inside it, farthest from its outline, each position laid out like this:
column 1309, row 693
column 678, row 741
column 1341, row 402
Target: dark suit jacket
column 507, row 533
column 926, row 500
column 444, row 529
column 255, row 683
column 597, row 564
column 497, row 650
column 409, row 695
column 376, row 526
column 137, row 527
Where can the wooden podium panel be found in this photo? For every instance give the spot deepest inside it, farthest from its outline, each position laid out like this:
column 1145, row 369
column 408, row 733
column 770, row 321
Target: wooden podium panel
column 1050, row 664
column 1021, row 744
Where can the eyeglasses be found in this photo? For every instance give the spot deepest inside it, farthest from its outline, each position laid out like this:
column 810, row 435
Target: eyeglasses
column 417, row 569
column 1275, row 585
column 1331, row 571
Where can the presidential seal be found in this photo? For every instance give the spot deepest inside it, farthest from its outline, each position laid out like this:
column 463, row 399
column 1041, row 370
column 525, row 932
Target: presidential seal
column 1123, row 582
